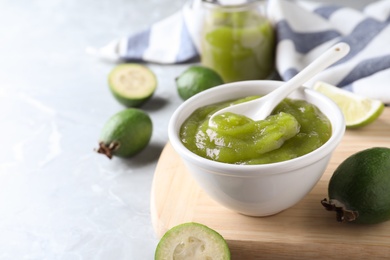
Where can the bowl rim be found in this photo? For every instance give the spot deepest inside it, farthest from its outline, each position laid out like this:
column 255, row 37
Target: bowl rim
column 338, row 129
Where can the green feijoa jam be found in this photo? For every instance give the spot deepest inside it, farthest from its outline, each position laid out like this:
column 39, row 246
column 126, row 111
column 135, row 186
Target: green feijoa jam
column 294, row 128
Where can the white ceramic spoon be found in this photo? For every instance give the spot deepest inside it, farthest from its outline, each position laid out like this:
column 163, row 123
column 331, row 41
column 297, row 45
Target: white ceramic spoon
column 259, row 109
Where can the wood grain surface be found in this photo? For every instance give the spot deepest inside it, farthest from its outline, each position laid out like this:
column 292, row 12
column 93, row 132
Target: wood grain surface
column 304, row 231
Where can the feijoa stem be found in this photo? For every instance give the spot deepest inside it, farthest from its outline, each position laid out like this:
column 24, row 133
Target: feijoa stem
column 108, row 149
column 342, row 214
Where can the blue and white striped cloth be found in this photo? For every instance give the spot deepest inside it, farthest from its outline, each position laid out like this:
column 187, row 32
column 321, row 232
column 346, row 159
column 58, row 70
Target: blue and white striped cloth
column 172, row 40
column 305, row 29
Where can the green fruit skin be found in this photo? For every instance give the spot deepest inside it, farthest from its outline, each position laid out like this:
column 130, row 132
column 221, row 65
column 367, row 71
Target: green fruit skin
column 132, row 128
column 201, row 77
column 362, row 184
column 129, row 102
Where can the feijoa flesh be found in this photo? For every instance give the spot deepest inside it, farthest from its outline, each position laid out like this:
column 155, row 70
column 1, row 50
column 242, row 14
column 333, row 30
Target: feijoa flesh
column 359, row 189
column 132, row 84
column 192, row 241
column 126, row 133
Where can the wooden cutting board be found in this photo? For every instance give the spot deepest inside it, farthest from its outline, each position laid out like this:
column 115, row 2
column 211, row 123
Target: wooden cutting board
column 305, row 231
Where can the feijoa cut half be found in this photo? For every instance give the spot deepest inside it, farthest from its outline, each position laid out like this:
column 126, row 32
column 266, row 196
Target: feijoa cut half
column 126, row 133
column 359, row 189
column 192, row 241
column 132, row 84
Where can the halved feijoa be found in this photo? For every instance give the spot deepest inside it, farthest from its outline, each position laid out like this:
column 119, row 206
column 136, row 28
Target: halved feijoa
column 192, row 241
column 132, row 84
column 359, row 188
column 126, row 133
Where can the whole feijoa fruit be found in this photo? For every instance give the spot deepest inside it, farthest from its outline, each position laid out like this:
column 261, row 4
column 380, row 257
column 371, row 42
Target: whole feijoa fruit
column 359, row 189
column 126, row 133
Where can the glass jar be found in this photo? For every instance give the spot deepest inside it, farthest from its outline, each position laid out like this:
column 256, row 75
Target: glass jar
column 238, row 41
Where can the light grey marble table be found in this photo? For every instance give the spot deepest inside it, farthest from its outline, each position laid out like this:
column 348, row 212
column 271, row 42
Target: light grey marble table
column 58, row 198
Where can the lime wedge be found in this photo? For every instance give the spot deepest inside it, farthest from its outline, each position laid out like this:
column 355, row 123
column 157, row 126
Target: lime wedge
column 192, row 241
column 358, row 111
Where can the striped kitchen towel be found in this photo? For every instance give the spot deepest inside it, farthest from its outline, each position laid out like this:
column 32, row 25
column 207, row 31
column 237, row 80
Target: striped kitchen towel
column 304, row 29
column 174, row 39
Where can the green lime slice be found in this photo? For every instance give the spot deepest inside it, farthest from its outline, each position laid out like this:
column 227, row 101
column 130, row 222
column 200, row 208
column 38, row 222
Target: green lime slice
column 192, row 241
column 358, row 111
column 132, row 84
column 126, row 133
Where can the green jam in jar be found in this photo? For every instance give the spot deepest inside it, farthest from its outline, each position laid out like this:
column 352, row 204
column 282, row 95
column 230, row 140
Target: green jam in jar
column 294, row 128
column 238, row 44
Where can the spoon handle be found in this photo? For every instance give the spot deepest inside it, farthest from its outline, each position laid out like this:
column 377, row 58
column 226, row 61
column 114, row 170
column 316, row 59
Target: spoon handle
column 259, row 109
column 326, row 59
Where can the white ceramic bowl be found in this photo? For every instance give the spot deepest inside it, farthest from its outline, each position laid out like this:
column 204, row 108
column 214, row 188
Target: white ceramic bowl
column 257, row 190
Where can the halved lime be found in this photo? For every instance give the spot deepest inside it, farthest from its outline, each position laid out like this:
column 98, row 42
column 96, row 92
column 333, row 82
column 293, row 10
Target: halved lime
column 192, row 241
column 358, row 111
column 132, row 84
